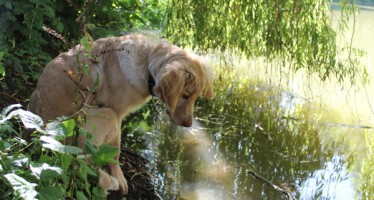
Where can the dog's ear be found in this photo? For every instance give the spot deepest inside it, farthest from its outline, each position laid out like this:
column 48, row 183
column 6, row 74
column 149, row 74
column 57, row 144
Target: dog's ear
column 208, row 91
column 170, row 88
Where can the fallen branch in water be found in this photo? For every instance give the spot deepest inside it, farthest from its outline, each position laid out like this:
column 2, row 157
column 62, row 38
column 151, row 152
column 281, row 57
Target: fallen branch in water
column 347, row 125
column 288, row 193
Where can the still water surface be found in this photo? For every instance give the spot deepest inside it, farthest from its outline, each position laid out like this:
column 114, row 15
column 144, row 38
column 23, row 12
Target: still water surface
column 329, row 159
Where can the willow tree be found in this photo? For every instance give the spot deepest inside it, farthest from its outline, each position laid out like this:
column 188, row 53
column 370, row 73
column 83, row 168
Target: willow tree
column 297, row 32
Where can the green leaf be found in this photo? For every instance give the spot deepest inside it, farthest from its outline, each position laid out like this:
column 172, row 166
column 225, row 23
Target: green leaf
column 65, row 160
column 48, row 174
column 55, row 129
column 98, row 193
column 68, row 126
column 86, row 44
column 18, row 10
column 8, row 5
column 86, row 67
column 28, row 119
column 90, row 171
column 45, row 171
column 53, row 144
column 9, row 108
column 89, row 147
column 144, row 126
column 51, row 193
column 60, row 27
column 22, row 188
column 31, row 120
column 96, row 83
column 2, row 53
column 81, row 196
column 105, row 154
column 2, row 70
column 72, row 150
column 84, row 132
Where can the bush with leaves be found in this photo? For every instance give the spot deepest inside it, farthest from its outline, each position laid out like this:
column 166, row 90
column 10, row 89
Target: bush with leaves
column 43, row 167
column 27, row 47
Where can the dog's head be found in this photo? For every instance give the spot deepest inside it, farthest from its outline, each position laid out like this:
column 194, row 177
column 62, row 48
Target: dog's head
column 179, row 83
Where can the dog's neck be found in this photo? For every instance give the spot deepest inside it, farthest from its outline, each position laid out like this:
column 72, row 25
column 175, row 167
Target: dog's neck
column 151, row 83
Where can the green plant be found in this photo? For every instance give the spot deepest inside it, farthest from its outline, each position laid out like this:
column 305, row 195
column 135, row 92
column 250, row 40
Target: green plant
column 26, row 24
column 43, row 167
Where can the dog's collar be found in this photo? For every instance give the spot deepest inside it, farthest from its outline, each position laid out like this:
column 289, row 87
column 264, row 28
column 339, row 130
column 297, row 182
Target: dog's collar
column 151, row 84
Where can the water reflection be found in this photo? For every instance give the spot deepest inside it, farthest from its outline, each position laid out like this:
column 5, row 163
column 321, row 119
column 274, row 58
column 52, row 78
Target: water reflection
column 278, row 135
column 337, row 183
column 291, row 152
column 190, row 166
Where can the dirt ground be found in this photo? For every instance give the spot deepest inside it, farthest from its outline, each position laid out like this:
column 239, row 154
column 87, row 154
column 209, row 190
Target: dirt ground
column 138, row 179
column 133, row 165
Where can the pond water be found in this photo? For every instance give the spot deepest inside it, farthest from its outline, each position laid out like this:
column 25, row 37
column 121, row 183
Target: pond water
column 310, row 151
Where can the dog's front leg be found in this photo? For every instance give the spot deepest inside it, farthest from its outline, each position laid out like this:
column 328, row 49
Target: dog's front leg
column 115, row 169
column 105, row 128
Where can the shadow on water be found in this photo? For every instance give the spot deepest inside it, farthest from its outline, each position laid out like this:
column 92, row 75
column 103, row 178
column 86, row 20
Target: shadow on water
column 251, row 128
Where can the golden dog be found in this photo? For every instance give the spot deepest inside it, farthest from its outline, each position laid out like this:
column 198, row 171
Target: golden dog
column 112, row 79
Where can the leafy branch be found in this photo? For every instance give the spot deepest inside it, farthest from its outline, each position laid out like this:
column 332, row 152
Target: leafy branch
column 61, row 168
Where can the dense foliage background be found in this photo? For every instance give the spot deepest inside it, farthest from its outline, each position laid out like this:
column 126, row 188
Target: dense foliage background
column 27, row 46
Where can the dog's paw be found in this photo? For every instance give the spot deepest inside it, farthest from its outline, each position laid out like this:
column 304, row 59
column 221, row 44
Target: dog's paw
column 114, row 185
column 118, row 174
column 108, row 182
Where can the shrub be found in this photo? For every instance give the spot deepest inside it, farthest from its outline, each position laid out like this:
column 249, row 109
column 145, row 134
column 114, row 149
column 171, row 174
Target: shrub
column 43, row 167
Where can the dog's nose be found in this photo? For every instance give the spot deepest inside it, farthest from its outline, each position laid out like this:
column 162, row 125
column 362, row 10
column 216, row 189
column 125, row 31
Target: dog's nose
column 187, row 123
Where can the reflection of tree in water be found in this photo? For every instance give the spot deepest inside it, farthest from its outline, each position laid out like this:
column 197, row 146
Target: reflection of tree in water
column 167, row 162
column 285, row 161
column 252, row 132
column 367, row 170
column 286, row 150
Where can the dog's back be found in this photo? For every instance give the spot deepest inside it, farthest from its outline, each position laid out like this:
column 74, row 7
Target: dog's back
column 64, row 85
column 56, row 90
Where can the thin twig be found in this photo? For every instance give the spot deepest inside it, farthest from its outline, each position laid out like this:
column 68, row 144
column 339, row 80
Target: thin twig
column 276, row 187
column 137, row 174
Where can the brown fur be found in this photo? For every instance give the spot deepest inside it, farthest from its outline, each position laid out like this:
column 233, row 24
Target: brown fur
column 122, row 65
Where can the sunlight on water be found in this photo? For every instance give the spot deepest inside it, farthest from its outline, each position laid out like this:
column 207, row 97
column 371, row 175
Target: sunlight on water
column 355, row 104
column 336, row 187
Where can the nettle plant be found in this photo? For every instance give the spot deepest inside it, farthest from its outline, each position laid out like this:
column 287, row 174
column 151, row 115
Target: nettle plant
column 42, row 167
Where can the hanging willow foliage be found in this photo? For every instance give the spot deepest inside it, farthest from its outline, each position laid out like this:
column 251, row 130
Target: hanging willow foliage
column 298, row 32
